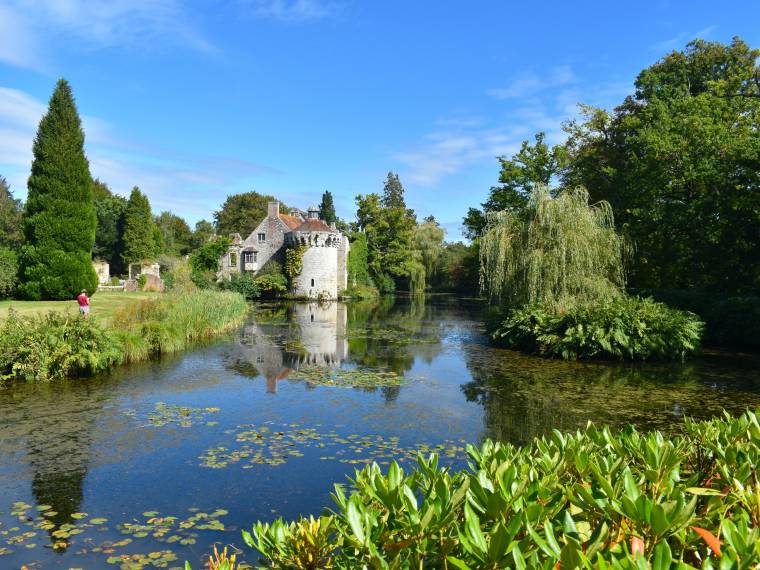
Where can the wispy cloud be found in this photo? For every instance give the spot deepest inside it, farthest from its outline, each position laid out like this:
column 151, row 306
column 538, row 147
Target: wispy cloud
column 289, row 10
column 532, row 83
column 682, row 38
column 188, row 184
column 28, row 28
column 532, row 103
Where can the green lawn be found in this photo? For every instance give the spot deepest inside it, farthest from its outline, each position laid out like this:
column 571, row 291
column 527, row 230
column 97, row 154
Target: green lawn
column 102, row 304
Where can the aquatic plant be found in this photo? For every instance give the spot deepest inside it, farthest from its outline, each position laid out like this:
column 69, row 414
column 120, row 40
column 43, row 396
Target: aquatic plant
column 626, row 328
column 561, row 250
column 590, row 499
column 346, row 377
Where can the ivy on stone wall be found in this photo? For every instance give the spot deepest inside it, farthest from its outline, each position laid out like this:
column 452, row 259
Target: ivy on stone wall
column 294, row 261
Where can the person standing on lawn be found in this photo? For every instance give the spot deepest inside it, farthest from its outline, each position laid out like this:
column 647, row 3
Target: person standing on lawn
column 84, row 304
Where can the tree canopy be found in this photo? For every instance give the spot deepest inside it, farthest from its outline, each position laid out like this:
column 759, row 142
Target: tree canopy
column 59, row 218
column 679, row 160
column 327, row 208
column 241, row 213
column 139, row 230
column 11, row 234
column 533, row 164
column 560, row 251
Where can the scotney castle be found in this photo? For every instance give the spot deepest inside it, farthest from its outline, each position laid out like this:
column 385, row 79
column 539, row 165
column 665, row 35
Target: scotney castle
column 324, row 264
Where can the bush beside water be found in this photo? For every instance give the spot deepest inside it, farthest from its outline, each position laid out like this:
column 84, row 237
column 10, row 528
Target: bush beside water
column 56, row 346
column 592, row 499
column 626, row 328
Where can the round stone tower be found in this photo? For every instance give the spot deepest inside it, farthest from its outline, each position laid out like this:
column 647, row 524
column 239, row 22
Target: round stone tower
column 323, row 270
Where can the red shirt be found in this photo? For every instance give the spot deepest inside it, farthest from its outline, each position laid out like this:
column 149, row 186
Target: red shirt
column 83, row 300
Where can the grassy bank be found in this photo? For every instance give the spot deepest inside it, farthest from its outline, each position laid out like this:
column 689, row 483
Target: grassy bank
column 62, row 344
column 592, row 499
column 102, row 305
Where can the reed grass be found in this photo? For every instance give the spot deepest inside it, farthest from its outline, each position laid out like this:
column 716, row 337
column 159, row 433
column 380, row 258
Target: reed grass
column 58, row 345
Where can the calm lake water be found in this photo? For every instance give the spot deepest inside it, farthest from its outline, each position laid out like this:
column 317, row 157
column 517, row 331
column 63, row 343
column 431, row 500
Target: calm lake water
column 152, row 464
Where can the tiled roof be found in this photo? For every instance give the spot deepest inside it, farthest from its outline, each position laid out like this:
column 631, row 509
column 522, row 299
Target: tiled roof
column 291, row 221
column 313, row 225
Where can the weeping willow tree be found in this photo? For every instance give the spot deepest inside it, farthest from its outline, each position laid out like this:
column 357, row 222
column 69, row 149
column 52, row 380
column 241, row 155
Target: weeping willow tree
column 557, row 252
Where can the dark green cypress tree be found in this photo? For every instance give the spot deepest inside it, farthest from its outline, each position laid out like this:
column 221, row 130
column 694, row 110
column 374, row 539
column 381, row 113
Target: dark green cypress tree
column 59, row 218
column 139, row 238
column 327, row 208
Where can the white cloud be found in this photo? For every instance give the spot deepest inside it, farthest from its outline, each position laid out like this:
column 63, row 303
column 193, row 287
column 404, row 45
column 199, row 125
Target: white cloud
column 532, row 83
column 29, row 27
column 532, row 104
column 680, row 40
column 289, row 10
column 189, row 185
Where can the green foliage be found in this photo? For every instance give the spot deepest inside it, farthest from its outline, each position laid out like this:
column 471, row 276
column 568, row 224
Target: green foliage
column 139, row 236
column 110, row 210
column 327, row 208
column 557, row 252
column 206, row 257
column 141, row 281
column 680, row 163
column 53, row 347
column 241, row 213
column 592, row 499
column 203, row 232
column 389, row 227
column 57, row 346
column 176, row 235
column 428, row 241
column 271, row 284
column 179, row 275
column 458, row 269
column 11, row 234
column 358, row 262
column 729, row 321
column 626, row 328
column 59, row 218
column 294, row 261
column 8, row 272
column 533, row 165
column 243, row 283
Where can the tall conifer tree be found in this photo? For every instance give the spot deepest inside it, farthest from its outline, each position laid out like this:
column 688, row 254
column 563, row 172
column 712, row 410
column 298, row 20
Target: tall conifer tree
column 327, row 208
column 139, row 239
column 59, row 218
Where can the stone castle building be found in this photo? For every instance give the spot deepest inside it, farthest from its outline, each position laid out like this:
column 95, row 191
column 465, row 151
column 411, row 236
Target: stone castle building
column 324, row 273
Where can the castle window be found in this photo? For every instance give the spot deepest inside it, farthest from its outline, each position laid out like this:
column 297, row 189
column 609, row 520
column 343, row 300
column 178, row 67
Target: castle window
column 262, row 237
column 233, row 259
column 249, row 256
column 312, row 282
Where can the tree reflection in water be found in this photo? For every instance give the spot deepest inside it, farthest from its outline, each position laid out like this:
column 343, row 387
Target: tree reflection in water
column 524, row 397
column 388, row 334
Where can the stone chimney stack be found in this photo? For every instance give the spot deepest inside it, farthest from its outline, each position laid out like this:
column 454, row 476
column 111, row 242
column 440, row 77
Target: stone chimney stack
column 273, row 209
column 332, row 226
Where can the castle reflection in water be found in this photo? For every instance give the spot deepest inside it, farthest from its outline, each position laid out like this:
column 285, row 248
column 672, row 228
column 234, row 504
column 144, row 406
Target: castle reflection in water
column 285, row 338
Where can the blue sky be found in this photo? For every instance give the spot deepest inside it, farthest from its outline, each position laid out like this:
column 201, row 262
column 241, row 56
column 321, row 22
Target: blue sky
column 195, row 101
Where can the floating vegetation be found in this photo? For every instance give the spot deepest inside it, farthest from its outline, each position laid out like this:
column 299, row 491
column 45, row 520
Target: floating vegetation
column 274, row 446
column 151, row 526
column 173, row 414
column 158, row 559
column 391, row 336
column 347, row 378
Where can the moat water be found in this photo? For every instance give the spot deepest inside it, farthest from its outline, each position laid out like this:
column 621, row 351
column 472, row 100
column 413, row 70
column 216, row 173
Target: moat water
column 153, row 464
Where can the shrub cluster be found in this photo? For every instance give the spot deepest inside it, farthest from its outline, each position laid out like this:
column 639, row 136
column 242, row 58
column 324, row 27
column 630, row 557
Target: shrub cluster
column 53, row 347
column 592, row 499
column 625, row 328
column 57, row 345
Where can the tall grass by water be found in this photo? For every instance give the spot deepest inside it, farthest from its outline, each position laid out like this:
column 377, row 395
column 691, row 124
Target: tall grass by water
column 55, row 346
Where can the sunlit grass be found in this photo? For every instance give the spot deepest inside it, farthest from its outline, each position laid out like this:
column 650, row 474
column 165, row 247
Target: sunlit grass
column 102, row 305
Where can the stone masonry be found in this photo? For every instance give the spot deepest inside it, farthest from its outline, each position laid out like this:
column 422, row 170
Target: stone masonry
column 324, row 273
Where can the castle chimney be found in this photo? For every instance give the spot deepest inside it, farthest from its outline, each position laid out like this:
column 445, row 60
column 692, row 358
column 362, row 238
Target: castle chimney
column 273, row 209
